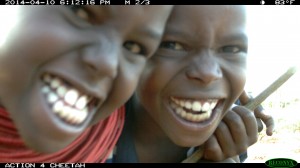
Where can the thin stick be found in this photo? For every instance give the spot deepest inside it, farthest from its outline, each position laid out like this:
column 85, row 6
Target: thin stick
column 197, row 155
column 270, row 89
column 251, row 105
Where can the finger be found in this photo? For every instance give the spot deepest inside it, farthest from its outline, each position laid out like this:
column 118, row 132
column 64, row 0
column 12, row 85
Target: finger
column 236, row 127
column 212, row 149
column 250, row 123
column 260, row 125
column 225, row 140
column 267, row 119
column 270, row 124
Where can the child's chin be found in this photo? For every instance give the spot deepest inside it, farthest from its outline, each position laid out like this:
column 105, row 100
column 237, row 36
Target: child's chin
column 192, row 141
column 47, row 147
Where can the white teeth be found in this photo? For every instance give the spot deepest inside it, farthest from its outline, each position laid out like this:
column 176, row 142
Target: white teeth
column 83, row 115
column 65, row 111
column 46, row 90
column 69, row 114
column 178, row 110
column 188, row 105
column 189, row 116
column 213, row 105
column 66, row 102
column 81, row 102
column 75, row 117
column 195, row 111
column 181, row 103
column 79, row 117
column 209, row 113
column 206, row 106
column 71, row 118
column 61, row 91
column 58, row 106
column 55, row 83
column 183, row 114
column 52, row 97
column 196, row 106
column 71, row 97
column 198, row 118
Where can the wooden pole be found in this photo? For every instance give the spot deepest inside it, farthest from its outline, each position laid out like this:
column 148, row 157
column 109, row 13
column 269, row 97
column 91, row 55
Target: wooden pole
column 270, row 89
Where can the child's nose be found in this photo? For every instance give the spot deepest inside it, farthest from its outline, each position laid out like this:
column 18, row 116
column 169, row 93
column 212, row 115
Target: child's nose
column 205, row 69
column 102, row 59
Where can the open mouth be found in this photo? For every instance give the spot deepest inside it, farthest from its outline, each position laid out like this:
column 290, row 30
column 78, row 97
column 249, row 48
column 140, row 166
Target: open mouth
column 194, row 110
column 68, row 103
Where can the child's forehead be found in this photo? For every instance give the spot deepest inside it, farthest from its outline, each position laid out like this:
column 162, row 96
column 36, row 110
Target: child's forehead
column 206, row 11
column 196, row 18
column 207, row 23
column 130, row 16
column 127, row 11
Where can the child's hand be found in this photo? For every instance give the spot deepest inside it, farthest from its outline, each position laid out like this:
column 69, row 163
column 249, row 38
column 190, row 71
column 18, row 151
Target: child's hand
column 268, row 120
column 235, row 133
column 259, row 114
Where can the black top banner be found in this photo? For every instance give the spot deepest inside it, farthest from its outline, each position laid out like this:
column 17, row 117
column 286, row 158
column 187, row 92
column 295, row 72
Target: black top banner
column 149, row 2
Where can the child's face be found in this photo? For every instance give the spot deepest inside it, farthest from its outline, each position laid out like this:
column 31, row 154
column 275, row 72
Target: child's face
column 62, row 69
column 197, row 73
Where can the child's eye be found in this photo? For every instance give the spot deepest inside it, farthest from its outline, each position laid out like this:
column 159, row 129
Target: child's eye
column 134, row 47
column 171, row 45
column 80, row 11
column 231, row 49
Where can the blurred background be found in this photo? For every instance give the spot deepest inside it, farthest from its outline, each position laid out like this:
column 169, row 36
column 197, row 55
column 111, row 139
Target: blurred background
column 274, row 46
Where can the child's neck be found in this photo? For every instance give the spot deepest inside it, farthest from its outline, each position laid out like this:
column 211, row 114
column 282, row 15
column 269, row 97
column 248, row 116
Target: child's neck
column 151, row 143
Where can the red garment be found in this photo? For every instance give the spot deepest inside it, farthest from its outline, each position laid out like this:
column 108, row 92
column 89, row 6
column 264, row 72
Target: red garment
column 92, row 146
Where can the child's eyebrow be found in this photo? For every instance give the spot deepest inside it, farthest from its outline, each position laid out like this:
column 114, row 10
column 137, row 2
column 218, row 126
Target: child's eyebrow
column 183, row 35
column 179, row 33
column 236, row 37
column 151, row 33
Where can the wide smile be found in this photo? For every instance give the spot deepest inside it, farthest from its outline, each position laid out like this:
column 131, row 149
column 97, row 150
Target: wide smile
column 68, row 103
column 192, row 110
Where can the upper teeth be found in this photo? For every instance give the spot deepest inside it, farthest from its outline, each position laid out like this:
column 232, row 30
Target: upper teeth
column 196, row 105
column 67, row 102
column 193, row 110
column 71, row 96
